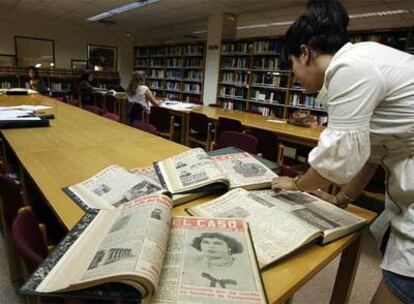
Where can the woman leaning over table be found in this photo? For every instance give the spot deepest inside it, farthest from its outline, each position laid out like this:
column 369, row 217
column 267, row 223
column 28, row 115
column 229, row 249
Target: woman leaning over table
column 139, row 93
column 369, row 91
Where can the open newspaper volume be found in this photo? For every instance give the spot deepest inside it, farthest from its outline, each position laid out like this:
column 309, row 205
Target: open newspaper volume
column 116, row 185
column 167, row 259
column 195, row 171
column 282, row 223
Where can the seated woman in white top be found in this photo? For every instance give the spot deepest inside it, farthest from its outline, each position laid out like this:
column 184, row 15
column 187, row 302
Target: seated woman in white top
column 369, row 93
column 139, row 93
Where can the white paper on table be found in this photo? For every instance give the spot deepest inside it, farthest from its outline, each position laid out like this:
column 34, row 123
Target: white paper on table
column 276, row 121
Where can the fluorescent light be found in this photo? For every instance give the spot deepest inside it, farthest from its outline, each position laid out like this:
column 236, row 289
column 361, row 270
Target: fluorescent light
column 38, row 65
column 121, row 9
column 352, row 16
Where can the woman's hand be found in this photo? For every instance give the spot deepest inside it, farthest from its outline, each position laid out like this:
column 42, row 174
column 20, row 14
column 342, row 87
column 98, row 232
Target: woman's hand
column 282, row 183
column 322, row 195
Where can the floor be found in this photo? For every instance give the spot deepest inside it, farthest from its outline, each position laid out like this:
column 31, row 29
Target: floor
column 318, row 290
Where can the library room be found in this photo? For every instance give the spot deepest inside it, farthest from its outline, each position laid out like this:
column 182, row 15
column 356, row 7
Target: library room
column 257, row 151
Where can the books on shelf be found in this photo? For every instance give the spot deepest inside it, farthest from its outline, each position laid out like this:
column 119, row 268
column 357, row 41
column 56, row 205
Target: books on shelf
column 235, row 47
column 266, row 63
column 282, row 223
column 166, row 259
column 236, row 62
column 195, row 171
column 267, row 46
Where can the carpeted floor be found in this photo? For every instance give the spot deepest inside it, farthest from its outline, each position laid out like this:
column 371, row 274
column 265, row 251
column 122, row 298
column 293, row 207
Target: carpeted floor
column 318, row 290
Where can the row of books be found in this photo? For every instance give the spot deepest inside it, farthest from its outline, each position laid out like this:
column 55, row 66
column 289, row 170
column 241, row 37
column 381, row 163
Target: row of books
column 266, row 111
column 267, row 63
column 256, row 47
column 191, row 49
column 128, row 234
column 269, row 79
column 240, row 78
column 192, row 87
column 267, row 46
column 268, row 96
column 174, row 62
column 233, row 92
column 6, row 85
column 235, row 47
column 193, row 75
column 298, row 99
column 231, row 105
column 236, row 62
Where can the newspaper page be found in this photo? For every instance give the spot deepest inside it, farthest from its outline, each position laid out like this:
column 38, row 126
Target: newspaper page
column 112, row 187
column 188, row 171
column 332, row 220
column 149, row 172
column 243, row 170
column 209, row 261
column 126, row 245
column 275, row 231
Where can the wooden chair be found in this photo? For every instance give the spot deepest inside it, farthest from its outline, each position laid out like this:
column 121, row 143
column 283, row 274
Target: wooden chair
column 269, row 146
column 93, row 109
column 227, row 124
column 240, row 140
column 199, row 130
column 112, row 116
column 11, row 200
column 146, row 127
column 163, row 121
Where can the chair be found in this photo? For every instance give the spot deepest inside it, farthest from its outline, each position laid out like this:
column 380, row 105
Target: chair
column 112, row 116
column 29, row 238
column 10, row 202
column 269, row 146
column 199, row 130
column 227, row 124
column 146, row 127
column 243, row 141
column 136, row 113
column 93, row 109
column 163, row 121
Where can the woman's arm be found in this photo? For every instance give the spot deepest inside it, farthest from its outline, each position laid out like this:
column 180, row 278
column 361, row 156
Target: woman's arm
column 311, row 180
column 151, row 98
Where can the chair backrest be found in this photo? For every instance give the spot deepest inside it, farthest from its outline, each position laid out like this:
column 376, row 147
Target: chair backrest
column 160, row 118
column 112, row 116
column 10, row 198
column 146, row 127
column 135, row 112
column 227, row 124
column 28, row 238
column 93, row 109
column 198, row 122
column 268, row 143
column 239, row 140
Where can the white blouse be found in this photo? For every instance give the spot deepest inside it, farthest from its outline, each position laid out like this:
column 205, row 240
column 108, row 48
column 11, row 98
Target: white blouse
column 140, row 97
column 369, row 89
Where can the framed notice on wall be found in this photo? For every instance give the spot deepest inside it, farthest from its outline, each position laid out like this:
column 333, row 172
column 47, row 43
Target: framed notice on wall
column 102, row 57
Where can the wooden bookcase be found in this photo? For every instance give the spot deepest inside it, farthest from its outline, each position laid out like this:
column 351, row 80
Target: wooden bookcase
column 57, row 79
column 254, row 78
column 173, row 71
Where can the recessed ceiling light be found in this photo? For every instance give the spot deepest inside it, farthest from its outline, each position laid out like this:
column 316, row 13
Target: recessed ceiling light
column 121, row 9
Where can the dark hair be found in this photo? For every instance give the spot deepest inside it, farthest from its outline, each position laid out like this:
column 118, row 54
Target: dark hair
column 137, row 79
column 85, row 76
column 35, row 70
column 232, row 243
column 322, row 27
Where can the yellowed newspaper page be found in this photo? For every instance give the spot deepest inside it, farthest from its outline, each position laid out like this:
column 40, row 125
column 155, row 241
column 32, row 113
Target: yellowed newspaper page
column 244, row 171
column 276, row 231
column 189, row 170
column 112, row 187
column 128, row 246
column 209, row 261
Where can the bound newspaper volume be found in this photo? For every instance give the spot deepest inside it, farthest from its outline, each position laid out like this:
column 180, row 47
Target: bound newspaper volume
column 281, row 223
column 195, row 171
column 167, row 259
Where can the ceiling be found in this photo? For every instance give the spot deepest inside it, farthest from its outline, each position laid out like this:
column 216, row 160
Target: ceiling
column 176, row 20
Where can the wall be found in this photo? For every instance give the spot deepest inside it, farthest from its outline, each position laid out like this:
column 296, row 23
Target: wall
column 70, row 41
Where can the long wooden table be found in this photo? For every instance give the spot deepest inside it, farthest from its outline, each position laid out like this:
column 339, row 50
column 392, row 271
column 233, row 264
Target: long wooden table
column 79, row 144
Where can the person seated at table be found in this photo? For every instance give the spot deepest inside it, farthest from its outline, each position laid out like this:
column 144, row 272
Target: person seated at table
column 139, row 93
column 85, row 89
column 36, row 83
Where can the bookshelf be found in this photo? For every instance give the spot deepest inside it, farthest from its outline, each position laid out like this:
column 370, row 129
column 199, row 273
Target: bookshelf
column 173, row 71
column 253, row 78
column 57, row 79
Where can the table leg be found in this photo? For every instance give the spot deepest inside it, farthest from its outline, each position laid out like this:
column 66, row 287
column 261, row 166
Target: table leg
column 346, row 272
